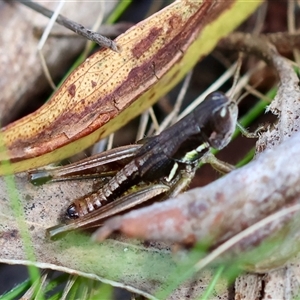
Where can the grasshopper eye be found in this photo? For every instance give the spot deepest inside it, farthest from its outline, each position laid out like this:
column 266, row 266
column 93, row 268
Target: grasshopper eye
column 72, row 212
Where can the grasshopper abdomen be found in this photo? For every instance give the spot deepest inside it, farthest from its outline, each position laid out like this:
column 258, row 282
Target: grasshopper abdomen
column 112, row 189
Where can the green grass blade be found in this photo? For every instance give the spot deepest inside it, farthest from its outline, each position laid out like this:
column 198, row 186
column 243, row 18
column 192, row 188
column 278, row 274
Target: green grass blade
column 16, row 291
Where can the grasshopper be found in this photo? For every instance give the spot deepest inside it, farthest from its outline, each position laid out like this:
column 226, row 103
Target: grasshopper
column 161, row 167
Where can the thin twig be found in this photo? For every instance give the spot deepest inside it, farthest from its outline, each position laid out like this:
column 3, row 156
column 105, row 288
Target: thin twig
column 261, row 16
column 76, row 27
column 46, row 70
column 95, row 27
column 153, row 118
column 43, row 40
column 179, row 100
column 236, row 76
column 37, row 287
column 142, row 126
column 292, row 27
column 68, row 286
column 110, row 141
column 253, row 91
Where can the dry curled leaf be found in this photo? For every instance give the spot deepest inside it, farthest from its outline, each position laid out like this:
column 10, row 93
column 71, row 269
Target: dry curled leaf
column 111, row 88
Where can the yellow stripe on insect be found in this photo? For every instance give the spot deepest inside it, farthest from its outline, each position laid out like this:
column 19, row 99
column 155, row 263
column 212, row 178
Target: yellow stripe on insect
column 173, row 172
column 194, row 154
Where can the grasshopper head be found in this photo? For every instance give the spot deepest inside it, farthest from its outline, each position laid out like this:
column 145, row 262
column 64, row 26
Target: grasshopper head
column 222, row 122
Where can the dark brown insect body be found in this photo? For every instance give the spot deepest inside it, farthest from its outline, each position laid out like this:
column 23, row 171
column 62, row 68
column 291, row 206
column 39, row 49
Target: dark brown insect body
column 211, row 124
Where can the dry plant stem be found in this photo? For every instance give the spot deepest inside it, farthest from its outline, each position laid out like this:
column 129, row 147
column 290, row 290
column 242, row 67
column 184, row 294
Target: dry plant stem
column 112, row 30
column 95, row 27
column 286, row 105
column 292, row 26
column 42, row 43
column 77, row 28
column 154, row 124
column 286, row 102
column 236, row 76
column 50, row 24
column 172, row 117
column 68, row 286
column 110, row 141
column 46, row 70
column 153, row 118
column 247, row 43
column 285, row 42
column 142, row 125
column 261, row 17
column 253, row 91
column 243, row 81
column 33, row 289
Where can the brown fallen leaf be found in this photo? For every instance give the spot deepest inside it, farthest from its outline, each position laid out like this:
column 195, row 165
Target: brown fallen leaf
column 110, row 88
